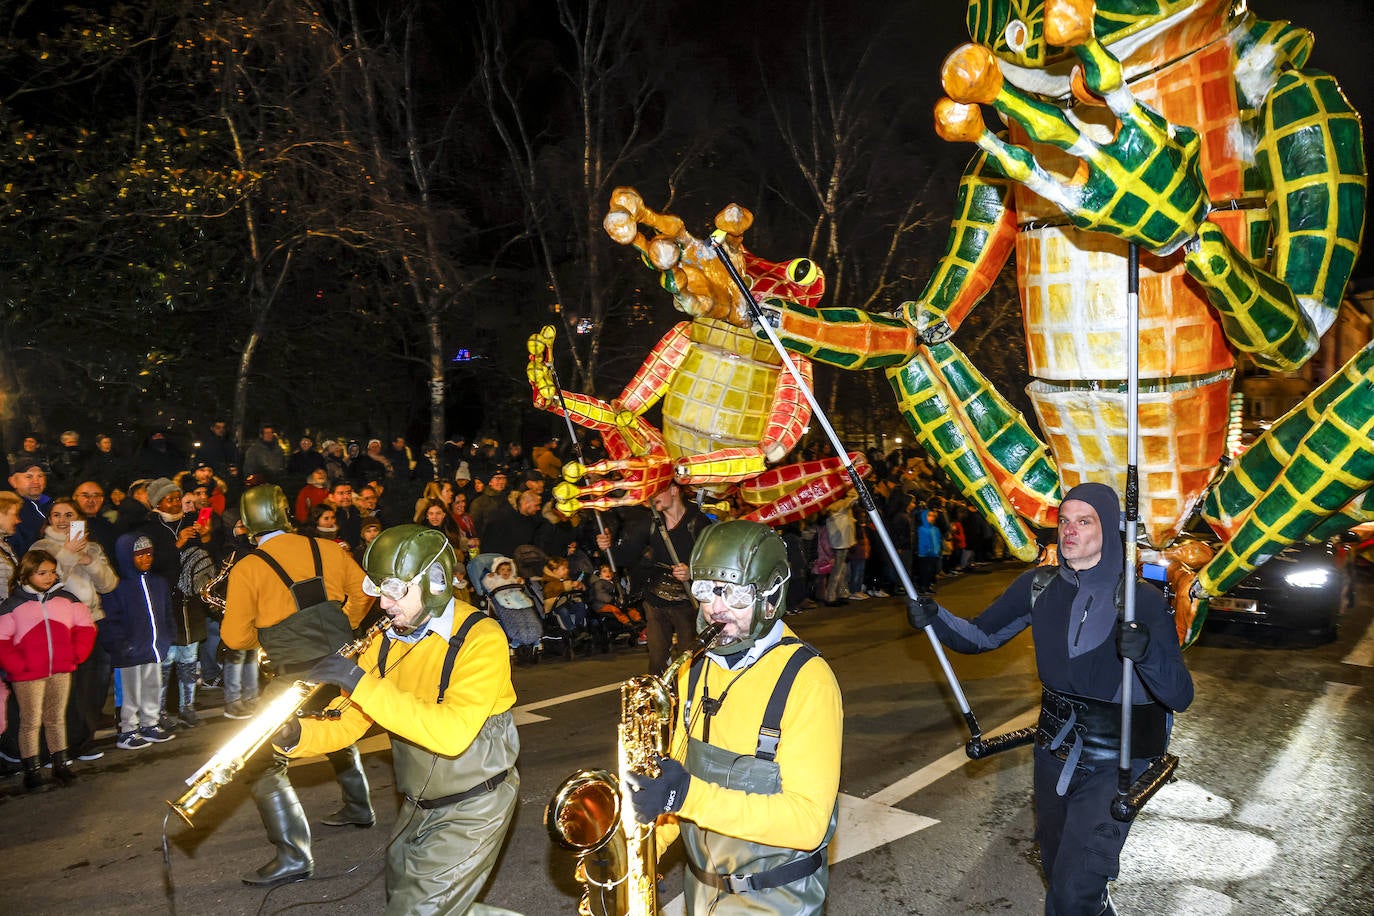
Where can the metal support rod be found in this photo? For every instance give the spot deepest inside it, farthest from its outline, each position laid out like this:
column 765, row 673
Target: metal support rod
column 1132, row 498
column 577, row 450
column 865, row 497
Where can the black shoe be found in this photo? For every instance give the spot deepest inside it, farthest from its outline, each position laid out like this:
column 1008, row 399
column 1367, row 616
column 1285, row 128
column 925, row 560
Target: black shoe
column 33, row 775
column 62, row 768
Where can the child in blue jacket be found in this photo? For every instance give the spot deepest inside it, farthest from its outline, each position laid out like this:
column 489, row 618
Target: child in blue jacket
column 137, row 632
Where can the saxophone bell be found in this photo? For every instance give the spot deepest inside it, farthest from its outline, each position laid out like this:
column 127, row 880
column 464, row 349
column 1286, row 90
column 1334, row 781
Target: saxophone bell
column 589, row 814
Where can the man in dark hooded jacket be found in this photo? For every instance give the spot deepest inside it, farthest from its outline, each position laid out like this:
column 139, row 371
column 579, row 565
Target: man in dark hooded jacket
column 1079, row 645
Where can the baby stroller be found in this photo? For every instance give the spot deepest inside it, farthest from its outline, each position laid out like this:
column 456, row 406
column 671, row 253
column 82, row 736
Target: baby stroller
column 613, row 616
column 513, row 607
column 568, row 615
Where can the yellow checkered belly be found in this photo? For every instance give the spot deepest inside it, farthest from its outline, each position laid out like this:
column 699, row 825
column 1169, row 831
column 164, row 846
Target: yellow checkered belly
column 721, row 396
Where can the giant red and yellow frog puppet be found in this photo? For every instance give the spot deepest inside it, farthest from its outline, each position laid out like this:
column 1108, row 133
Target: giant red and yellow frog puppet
column 731, row 410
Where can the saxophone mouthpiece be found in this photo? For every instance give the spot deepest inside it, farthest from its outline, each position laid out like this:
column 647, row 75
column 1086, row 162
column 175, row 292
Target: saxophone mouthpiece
column 709, row 635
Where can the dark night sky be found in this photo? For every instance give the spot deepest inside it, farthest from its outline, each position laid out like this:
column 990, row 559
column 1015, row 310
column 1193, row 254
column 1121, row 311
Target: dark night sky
column 926, row 30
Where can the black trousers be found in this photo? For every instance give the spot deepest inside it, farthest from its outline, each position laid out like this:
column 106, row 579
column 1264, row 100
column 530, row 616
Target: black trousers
column 661, row 623
column 1080, row 841
column 86, row 702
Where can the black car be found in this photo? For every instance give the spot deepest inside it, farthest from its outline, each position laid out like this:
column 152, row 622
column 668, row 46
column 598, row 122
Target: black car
column 1298, row 593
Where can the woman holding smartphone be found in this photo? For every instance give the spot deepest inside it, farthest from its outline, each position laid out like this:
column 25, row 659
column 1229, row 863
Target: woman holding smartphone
column 85, row 571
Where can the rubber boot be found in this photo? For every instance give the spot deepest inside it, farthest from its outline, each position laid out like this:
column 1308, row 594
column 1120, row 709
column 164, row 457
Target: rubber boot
column 357, row 808
column 62, row 768
column 33, row 775
column 288, row 830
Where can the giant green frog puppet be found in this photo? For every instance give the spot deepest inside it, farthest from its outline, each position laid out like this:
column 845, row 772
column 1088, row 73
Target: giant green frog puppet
column 1193, row 129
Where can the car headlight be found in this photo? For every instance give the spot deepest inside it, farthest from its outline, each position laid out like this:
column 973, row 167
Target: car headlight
column 1311, row 577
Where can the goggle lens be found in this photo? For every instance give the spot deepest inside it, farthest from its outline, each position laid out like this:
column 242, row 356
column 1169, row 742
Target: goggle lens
column 736, row 597
column 391, row 587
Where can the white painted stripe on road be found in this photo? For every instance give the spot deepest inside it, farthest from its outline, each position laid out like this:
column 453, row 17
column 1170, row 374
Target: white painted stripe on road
column 1275, row 793
column 863, row 825
column 908, row 786
column 524, row 715
column 867, row 823
column 1363, row 652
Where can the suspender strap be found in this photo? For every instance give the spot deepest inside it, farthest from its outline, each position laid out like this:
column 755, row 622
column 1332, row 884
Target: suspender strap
column 381, row 657
column 774, row 877
column 771, row 729
column 713, row 706
column 281, row 573
column 455, row 643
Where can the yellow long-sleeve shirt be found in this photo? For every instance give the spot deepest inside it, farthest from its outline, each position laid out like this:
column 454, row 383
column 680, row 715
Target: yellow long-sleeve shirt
column 257, row 598
column 404, row 701
column 808, row 754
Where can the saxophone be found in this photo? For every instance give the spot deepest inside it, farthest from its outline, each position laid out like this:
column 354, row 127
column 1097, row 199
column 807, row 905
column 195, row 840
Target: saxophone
column 230, row 759
column 207, row 591
column 591, row 815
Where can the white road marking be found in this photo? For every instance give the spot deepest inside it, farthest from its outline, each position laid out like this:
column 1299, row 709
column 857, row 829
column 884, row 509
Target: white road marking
column 908, row 786
column 524, row 715
column 1363, row 652
column 867, row 823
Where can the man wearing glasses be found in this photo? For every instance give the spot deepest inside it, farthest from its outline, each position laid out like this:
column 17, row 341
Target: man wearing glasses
column 299, row 598
column 755, row 766
column 439, row 681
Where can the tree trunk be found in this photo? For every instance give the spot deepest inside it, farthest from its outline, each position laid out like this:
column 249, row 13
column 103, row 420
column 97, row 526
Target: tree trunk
column 436, row 375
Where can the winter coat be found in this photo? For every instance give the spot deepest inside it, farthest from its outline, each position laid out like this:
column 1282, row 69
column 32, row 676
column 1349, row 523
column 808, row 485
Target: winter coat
column 86, row 581
column 929, row 540
column 43, row 635
column 138, row 624
column 839, row 526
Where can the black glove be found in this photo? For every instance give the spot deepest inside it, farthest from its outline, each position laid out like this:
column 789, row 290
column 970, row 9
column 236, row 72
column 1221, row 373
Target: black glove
column 921, row 611
column 1132, row 640
column 289, row 735
column 662, row 794
column 336, row 670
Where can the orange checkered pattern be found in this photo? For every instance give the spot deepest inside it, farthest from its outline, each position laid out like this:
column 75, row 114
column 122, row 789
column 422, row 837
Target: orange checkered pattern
column 1182, row 436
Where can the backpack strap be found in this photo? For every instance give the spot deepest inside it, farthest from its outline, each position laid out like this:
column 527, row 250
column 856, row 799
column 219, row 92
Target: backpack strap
column 770, row 731
column 1040, row 580
column 455, row 643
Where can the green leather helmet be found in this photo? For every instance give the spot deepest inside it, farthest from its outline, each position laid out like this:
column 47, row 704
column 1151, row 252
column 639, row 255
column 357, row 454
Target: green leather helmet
column 744, row 553
column 416, row 555
column 264, row 508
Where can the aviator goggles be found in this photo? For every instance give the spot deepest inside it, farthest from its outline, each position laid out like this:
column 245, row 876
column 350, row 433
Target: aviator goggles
column 390, row 587
column 393, row 587
column 736, row 597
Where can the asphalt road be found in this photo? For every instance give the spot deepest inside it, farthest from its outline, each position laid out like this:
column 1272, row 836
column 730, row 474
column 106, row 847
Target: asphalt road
column 1272, row 812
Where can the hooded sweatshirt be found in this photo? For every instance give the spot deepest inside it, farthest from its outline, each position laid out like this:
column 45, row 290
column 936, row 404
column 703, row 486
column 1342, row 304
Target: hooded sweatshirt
column 138, row 624
column 1074, row 622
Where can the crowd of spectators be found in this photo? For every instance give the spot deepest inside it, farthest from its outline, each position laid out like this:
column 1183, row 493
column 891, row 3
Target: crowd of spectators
column 108, row 517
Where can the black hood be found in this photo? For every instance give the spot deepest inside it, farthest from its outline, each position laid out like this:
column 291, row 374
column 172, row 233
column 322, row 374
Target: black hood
column 1107, row 505
column 1096, row 586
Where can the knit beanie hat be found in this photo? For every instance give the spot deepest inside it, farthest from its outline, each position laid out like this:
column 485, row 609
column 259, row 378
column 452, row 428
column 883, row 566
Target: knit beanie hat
column 159, row 489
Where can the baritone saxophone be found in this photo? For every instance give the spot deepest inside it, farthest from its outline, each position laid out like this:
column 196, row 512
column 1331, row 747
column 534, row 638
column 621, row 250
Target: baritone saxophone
column 229, row 760
column 591, row 814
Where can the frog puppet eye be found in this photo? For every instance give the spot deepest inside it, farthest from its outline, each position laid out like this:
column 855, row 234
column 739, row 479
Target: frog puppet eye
column 1016, row 35
column 803, row 271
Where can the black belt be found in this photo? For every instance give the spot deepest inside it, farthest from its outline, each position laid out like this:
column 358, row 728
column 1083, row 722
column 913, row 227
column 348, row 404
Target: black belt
column 482, row 788
column 762, row 881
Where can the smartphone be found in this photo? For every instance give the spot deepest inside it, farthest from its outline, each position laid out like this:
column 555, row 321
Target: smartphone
column 77, row 531
column 203, row 518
